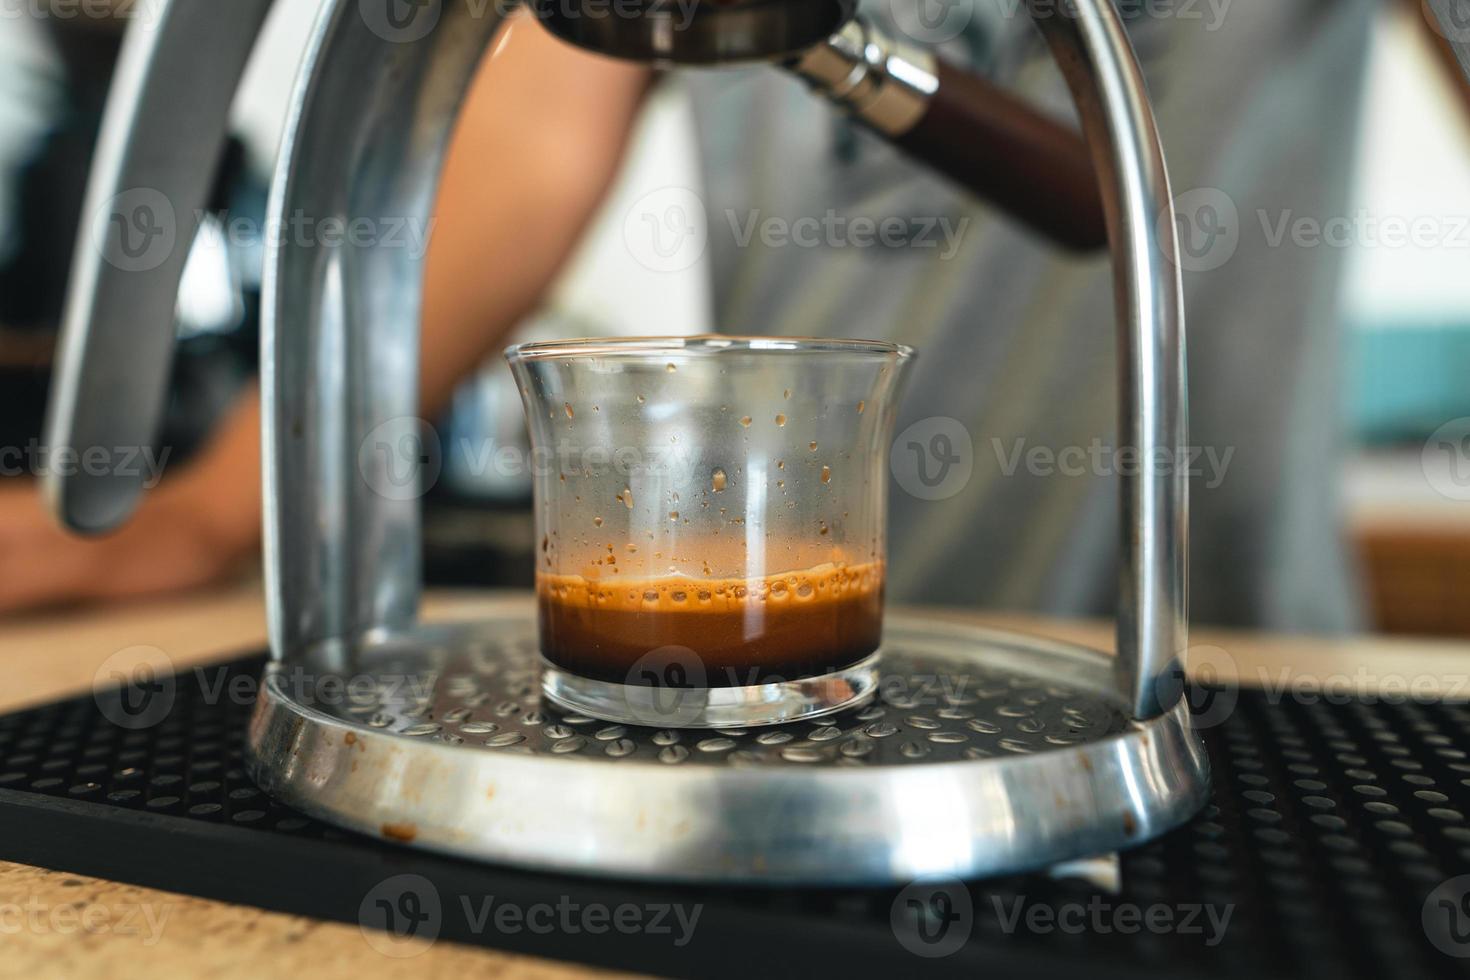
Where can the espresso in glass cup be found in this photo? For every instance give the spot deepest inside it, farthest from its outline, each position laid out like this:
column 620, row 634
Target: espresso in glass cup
column 710, row 518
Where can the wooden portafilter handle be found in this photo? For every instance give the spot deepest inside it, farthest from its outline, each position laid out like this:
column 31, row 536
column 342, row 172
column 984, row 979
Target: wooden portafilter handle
column 1030, row 166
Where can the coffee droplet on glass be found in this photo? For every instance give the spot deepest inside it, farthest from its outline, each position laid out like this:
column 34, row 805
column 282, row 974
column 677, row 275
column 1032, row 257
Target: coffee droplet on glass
column 597, row 521
column 781, row 420
column 670, row 368
column 826, row 474
column 718, row 480
column 812, row 446
column 570, row 413
column 745, row 421
column 627, row 498
column 861, row 406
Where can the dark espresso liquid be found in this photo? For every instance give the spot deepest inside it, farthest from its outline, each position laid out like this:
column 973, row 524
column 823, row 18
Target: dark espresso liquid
column 781, row 627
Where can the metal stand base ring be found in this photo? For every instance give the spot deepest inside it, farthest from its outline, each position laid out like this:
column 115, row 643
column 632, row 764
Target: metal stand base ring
column 983, row 753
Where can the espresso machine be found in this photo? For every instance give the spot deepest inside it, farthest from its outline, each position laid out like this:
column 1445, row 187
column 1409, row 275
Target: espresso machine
column 985, row 752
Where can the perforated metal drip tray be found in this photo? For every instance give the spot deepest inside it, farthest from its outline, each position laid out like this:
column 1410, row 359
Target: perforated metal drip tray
column 1330, row 830
column 1003, row 753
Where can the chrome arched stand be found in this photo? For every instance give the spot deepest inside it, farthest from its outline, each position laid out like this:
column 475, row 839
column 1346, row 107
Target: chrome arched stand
column 986, row 753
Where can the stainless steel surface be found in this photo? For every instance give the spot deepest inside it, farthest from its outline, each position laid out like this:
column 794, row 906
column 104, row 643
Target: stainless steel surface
column 879, row 80
column 366, row 134
column 154, row 164
column 1107, row 85
column 985, row 753
column 695, row 32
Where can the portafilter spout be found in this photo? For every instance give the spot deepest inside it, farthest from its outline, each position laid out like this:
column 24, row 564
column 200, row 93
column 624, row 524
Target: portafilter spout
column 1028, row 165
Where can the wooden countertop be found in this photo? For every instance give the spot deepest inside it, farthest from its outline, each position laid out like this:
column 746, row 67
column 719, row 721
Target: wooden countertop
column 43, row 914
column 139, row 932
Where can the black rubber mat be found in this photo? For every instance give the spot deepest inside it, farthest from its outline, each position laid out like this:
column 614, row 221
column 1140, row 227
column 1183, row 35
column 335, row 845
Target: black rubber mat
column 1334, row 847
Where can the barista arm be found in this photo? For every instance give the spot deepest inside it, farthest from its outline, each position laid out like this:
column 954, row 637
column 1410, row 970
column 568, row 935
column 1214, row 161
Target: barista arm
column 518, row 192
column 515, row 198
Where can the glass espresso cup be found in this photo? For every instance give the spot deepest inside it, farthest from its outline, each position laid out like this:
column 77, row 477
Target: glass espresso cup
column 710, row 519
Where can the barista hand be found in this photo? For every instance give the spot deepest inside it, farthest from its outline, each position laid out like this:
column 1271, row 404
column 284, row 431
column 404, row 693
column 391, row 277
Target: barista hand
column 199, row 525
column 516, row 193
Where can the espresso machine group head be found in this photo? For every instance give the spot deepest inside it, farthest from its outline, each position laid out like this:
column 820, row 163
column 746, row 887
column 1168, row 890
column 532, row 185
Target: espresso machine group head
column 976, row 133
column 1031, row 753
column 697, row 32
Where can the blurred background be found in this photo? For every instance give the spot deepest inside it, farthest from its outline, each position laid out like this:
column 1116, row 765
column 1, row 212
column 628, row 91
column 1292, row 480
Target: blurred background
column 1399, row 477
